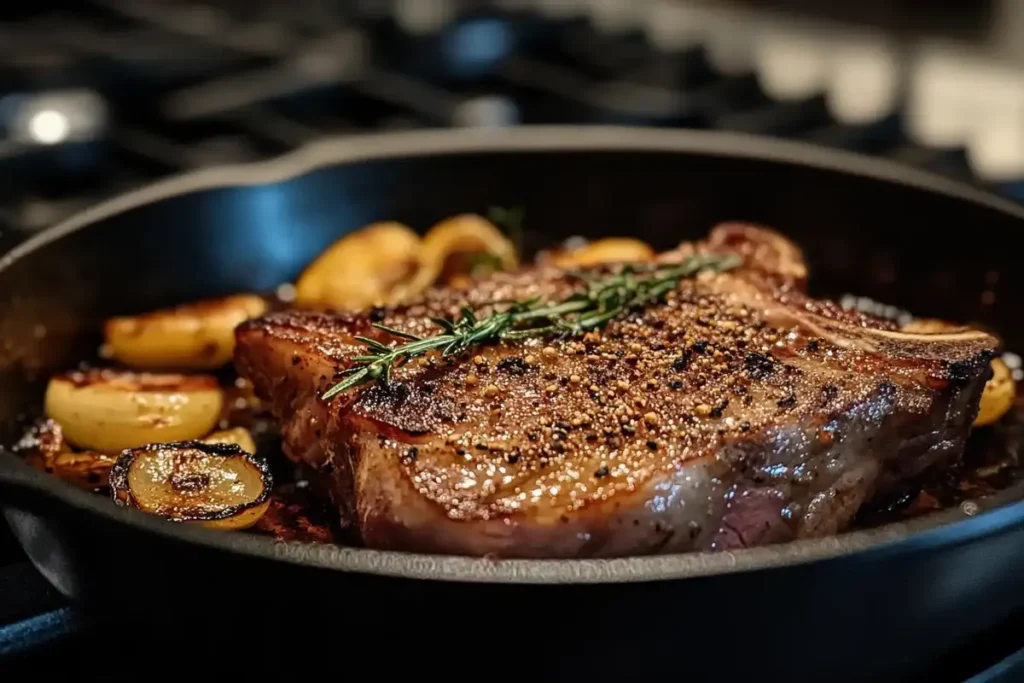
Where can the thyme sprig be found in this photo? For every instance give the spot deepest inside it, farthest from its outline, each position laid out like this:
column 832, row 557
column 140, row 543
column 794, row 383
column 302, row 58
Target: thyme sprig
column 603, row 299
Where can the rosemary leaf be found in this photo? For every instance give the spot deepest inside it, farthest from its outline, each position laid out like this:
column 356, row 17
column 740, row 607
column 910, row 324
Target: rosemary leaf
column 397, row 333
column 604, row 299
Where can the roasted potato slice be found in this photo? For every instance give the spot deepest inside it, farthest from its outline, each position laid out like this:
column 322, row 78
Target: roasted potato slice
column 213, row 484
column 110, row 410
column 999, row 395
column 236, row 435
column 1000, row 391
column 360, row 270
column 195, row 336
column 460, row 246
column 607, row 250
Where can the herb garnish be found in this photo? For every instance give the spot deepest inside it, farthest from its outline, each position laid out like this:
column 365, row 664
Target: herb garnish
column 605, row 298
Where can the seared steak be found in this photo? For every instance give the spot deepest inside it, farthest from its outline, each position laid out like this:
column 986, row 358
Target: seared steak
column 738, row 412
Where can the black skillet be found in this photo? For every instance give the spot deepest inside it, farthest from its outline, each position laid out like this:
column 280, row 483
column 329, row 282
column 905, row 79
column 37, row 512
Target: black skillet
column 869, row 605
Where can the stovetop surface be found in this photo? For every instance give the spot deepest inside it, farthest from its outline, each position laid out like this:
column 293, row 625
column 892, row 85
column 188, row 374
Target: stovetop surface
column 99, row 97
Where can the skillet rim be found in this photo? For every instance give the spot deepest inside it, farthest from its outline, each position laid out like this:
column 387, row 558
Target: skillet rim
column 949, row 527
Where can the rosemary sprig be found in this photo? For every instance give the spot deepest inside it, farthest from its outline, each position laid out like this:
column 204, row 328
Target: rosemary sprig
column 603, row 299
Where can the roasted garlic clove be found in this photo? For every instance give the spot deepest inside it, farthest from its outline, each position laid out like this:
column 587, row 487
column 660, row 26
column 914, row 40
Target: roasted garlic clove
column 44, row 448
column 214, row 484
column 464, row 245
column 607, row 250
column 86, row 469
column 360, row 270
column 999, row 395
column 110, row 410
column 236, row 435
column 195, row 336
column 41, row 443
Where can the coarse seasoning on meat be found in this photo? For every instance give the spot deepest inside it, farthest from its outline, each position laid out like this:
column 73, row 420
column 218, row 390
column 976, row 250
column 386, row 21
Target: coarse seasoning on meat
column 735, row 412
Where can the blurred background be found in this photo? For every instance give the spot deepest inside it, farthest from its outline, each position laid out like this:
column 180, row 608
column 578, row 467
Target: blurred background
column 100, row 96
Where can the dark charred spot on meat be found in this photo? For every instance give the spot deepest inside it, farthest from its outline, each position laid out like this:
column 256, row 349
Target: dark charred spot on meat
column 404, row 406
column 532, row 436
column 739, row 389
column 888, row 391
column 718, row 409
column 745, row 427
column 959, row 373
column 296, row 360
column 601, row 472
column 700, row 346
column 410, row 454
column 377, row 314
column 652, row 445
column 760, row 365
column 680, row 364
column 675, row 385
column 628, row 430
column 787, row 402
column 828, row 393
column 813, row 345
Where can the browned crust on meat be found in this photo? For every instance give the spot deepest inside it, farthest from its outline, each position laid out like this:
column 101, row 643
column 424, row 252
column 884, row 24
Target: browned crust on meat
column 548, row 446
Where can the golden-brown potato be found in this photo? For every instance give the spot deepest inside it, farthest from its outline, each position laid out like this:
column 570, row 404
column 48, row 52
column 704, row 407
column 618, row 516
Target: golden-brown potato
column 213, row 484
column 360, row 270
column 194, row 336
column 110, row 410
column 607, row 250
column 236, row 435
column 999, row 395
column 462, row 245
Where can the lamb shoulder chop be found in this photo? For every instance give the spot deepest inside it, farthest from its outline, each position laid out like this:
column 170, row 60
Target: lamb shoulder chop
column 737, row 412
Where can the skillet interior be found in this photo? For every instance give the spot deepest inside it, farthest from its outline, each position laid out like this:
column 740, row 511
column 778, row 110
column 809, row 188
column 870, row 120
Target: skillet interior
column 882, row 232
column 873, row 606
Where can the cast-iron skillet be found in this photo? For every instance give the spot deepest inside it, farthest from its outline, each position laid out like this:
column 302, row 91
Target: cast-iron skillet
column 869, row 605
